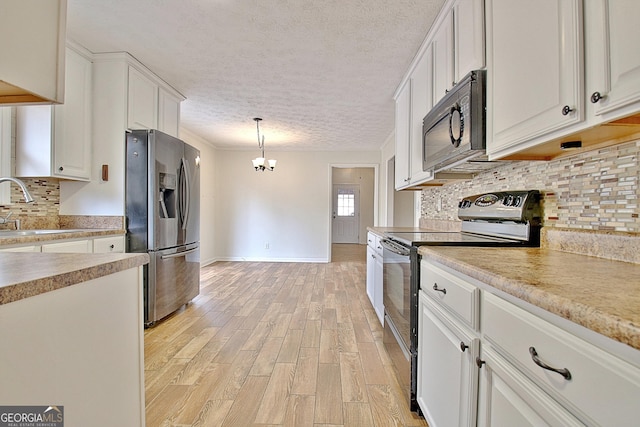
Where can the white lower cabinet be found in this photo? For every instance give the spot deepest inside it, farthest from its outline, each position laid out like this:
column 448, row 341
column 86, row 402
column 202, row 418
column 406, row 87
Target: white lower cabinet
column 521, row 367
column 374, row 274
column 109, row 244
column 447, row 371
column 596, row 386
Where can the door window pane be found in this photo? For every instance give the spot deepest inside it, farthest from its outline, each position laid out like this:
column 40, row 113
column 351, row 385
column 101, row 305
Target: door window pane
column 346, row 204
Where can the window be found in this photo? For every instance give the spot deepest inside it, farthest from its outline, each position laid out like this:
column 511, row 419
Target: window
column 346, row 203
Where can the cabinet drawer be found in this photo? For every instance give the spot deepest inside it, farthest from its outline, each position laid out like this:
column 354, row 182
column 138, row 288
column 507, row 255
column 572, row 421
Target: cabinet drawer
column 373, row 240
column 601, row 390
column 73, row 246
column 451, row 291
column 109, row 244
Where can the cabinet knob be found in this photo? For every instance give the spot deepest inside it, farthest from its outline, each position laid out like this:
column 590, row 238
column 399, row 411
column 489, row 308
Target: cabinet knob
column 60, row 168
column 437, row 289
column 463, row 346
column 595, row 97
column 566, row 110
column 111, row 246
column 534, row 356
column 480, row 362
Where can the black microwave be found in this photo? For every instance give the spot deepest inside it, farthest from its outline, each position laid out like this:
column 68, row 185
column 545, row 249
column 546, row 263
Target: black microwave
column 454, row 131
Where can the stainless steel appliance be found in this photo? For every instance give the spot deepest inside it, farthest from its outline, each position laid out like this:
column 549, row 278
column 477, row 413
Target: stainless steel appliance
column 454, row 130
column 162, row 212
column 509, row 218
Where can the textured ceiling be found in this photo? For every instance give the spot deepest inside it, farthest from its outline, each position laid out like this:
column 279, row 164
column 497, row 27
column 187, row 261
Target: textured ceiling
column 321, row 73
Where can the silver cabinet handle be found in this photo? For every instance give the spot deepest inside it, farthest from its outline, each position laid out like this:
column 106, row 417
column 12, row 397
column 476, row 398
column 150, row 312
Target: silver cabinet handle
column 178, row 254
column 534, row 356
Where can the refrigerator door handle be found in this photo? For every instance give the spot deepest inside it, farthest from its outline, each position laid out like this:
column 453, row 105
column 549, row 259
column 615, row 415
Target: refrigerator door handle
column 185, row 196
column 179, row 254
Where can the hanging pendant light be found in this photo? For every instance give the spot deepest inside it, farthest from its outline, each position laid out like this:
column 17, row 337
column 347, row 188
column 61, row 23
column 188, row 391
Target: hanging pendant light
column 258, row 162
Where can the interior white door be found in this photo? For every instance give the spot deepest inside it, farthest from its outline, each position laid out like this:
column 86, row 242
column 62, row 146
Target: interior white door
column 346, row 213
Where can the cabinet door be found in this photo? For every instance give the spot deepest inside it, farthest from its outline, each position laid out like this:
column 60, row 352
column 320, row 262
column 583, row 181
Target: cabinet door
column 168, row 113
column 72, row 128
column 142, row 101
column 75, row 246
column 5, row 152
column 421, row 103
column 507, row 398
column 371, row 274
column 447, row 374
column 442, row 45
column 403, row 123
column 378, row 302
column 535, row 70
column 612, row 40
column 469, row 37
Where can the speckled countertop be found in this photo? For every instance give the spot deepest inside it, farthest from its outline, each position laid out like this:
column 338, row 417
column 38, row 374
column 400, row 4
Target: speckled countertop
column 600, row 294
column 24, row 275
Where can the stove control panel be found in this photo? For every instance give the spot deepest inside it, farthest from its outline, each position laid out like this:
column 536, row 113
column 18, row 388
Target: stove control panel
column 517, row 206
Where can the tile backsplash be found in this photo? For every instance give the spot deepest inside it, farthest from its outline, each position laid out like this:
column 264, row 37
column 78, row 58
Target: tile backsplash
column 44, row 212
column 595, row 190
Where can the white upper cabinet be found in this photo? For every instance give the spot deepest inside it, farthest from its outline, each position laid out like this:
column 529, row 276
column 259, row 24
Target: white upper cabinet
column 469, row 37
column 458, row 44
column 442, row 46
column 55, row 140
column 613, row 56
column 32, row 42
column 403, row 132
column 453, row 48
column 168, row 112
column 151, row 105
column 543, row 91
column 143, row 101
column 421, row 103
column 534, row 69
column 6, row 134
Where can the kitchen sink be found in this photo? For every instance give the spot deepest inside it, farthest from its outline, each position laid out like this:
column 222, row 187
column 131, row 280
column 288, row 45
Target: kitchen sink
column 19, row 233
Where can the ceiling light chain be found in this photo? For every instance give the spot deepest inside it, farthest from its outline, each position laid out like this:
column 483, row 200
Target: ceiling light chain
column 258, row 162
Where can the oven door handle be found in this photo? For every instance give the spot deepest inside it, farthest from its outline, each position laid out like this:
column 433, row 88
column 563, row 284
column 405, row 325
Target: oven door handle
column 394, row 247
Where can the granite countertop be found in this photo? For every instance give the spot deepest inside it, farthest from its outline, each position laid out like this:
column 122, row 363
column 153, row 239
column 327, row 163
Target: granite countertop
column 600, row 294
column 6, row 238
column 24, row 275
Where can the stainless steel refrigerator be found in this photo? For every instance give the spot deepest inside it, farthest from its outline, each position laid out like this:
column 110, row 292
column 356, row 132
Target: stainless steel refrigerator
column 162, row 210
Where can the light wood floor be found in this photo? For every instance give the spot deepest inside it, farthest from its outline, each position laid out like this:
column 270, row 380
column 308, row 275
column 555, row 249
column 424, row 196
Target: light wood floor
column 278, row 344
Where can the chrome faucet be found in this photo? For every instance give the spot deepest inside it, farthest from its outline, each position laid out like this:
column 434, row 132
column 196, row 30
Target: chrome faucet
column 27, row 196
column 6, row 220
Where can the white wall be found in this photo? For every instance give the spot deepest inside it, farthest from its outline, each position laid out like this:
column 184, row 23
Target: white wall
column 207, row 195
column 289, row 208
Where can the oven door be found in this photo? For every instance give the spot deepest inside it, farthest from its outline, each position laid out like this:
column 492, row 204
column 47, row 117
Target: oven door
column 396, row 284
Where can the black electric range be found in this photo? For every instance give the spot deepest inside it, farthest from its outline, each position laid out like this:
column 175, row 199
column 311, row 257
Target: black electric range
column 509, row 218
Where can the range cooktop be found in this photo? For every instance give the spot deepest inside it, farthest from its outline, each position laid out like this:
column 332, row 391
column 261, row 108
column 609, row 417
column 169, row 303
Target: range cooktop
column 449, row 238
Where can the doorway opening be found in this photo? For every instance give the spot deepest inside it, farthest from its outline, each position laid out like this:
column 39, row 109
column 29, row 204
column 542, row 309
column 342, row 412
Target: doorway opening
column 353, row 202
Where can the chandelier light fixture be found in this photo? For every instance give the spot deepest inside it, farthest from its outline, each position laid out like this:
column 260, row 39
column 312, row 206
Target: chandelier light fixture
column 258, row 162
